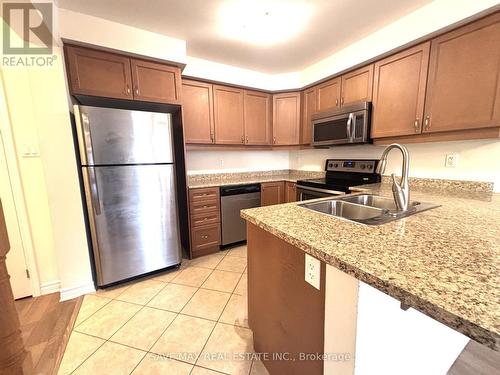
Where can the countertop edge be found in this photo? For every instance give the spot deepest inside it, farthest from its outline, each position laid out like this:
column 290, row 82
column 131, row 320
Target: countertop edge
column 466, row 327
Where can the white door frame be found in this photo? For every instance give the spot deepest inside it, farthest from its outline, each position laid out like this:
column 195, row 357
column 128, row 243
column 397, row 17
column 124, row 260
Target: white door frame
column 7, row 138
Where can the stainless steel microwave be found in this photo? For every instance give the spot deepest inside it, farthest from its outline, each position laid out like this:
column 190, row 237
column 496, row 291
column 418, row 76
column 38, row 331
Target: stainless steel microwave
column 347, row 125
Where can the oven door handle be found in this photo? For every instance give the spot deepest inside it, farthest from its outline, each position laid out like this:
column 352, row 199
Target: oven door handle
column 309, row 188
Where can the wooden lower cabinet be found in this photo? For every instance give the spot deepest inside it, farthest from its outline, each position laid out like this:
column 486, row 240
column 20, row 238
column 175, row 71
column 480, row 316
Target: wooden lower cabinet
column 272, row 193
column 205, row 229
column 205, row 239
column 290, row 192
column 285, row 313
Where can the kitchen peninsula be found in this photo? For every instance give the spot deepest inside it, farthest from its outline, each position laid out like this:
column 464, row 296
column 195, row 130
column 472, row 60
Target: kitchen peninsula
column 441, row 263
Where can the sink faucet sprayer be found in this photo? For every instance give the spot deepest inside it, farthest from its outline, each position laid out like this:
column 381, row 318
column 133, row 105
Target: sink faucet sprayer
column 401, row 190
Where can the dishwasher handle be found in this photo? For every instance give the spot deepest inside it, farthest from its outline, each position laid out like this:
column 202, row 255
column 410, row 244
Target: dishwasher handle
column 239, row 189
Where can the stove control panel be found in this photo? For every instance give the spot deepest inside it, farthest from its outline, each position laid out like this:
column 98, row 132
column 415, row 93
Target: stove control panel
column 351, row 165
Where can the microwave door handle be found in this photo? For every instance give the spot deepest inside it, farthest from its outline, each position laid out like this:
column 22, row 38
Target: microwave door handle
column 352, row 133
column 348, row 127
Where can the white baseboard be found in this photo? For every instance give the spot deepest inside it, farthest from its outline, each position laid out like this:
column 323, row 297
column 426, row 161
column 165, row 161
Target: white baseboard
column 77, row 291
column 50, row 287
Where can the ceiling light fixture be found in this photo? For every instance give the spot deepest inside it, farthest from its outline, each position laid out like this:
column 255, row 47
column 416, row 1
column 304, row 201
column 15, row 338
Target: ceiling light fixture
column 261, row 22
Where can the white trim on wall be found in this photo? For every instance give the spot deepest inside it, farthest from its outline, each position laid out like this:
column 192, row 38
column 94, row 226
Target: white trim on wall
column 74, row 292
column 50, row 287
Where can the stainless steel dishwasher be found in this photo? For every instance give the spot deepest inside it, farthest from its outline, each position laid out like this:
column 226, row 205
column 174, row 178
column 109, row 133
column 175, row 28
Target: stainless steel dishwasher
column 233, row 199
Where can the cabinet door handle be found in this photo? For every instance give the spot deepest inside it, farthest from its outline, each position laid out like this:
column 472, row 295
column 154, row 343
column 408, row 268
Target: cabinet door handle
column 416, row 125
column 427, row 123
column 274, row 140
column 342, row 101
column 137, row 90
column 336, row 102
column 246, row 139
column 127, row 89
column 212, row 137
column 242, row 139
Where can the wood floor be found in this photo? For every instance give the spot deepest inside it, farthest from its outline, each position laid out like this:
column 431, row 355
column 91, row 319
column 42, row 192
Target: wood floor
column 46, row 325
column 476, row 359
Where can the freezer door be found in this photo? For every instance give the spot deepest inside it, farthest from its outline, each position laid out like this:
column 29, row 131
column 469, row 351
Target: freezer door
column 134, row 221
column 109, row 136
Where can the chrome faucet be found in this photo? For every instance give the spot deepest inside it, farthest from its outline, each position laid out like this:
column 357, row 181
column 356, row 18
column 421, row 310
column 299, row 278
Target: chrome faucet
column 401, row 190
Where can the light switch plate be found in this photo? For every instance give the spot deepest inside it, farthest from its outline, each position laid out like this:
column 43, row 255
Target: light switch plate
column 312, row 271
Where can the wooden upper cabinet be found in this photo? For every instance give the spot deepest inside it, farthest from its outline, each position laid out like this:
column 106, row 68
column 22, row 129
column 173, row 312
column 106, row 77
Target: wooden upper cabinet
column 357, row 86
column 228, row 115
column 197, row 105
column 272, row 193
column 329, row 94
column 98, row 73
column 399, row 92
column 155, row 82
column 463, row 89
column 257, row 118
column 309, row 106
column 286, row 118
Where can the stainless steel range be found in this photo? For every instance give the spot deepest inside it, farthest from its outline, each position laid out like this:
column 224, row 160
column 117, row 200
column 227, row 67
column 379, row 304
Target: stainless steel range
column 341, row 175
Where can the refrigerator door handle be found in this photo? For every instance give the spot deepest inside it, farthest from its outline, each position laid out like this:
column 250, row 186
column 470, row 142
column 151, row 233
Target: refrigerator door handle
column 94, row 192
column 87, row 138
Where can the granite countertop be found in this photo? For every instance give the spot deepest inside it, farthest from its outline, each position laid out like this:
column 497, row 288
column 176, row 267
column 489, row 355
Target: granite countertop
column 223, row 179
column 443, row 262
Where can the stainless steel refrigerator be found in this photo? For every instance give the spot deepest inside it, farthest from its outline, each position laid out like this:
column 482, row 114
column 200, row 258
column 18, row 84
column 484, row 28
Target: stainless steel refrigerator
column 128, row 171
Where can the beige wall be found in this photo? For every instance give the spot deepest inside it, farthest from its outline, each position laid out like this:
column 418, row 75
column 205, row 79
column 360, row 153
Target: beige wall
column 39, row 120
column 235, row 161
column 478, row 160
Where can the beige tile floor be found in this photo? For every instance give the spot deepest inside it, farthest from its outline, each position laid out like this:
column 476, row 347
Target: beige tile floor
column 187, row 321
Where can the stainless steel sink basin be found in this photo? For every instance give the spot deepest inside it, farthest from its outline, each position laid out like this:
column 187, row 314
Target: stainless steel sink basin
column 366, row 208
column 346, row 210
column 375, row 201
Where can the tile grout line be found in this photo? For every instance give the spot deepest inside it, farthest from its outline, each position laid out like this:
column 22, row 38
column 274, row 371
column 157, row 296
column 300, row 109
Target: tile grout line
column 109, row 339
column 215, row 325
column 220, row 315
column 177, row 314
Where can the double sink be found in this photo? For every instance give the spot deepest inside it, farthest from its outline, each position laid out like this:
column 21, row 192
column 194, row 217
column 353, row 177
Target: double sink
column 367, row 209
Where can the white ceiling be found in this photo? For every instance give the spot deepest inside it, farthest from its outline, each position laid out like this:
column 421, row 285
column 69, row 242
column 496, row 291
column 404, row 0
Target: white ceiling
column 333, row 25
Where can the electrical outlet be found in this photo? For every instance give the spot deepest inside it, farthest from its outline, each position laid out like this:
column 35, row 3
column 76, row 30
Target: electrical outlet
column 451, row 161
column 312, row 271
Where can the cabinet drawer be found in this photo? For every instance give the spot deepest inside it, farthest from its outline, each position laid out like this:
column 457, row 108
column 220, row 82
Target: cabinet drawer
column 204, row 237
column 197, row 195
column 205, row 218
column 204, row 207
